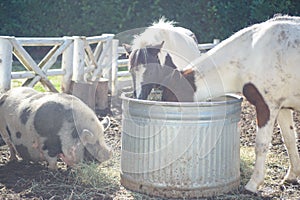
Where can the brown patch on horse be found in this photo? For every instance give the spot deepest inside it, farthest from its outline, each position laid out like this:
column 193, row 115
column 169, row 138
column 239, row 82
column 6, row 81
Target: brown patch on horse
column 179, row 86
column 147, row 55
column 254, row 97
column 168, row 95
column 169, row 62
column 189, row 75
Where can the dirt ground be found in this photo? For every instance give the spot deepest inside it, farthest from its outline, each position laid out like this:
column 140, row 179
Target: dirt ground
column 21, row 180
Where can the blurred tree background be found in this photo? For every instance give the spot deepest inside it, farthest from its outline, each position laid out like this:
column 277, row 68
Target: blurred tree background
column 209, row 19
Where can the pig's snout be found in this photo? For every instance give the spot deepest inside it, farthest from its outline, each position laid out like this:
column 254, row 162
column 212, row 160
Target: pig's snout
column 96, row 153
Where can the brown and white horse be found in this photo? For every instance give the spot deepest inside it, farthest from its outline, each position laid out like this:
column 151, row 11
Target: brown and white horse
column 179, row 45
column 261, row 61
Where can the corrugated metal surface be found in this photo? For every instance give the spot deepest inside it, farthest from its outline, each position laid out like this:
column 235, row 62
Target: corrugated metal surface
column 180, row 149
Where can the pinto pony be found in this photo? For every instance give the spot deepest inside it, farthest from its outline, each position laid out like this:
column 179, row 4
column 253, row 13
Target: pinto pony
column 159, row 44
column 261, row 61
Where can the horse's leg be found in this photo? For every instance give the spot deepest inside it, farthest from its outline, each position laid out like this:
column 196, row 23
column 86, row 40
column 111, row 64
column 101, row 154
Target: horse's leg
column 262, row 141
column 285, row 120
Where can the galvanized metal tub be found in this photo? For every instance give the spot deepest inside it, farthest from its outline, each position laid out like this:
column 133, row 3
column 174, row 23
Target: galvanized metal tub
column 180, row 150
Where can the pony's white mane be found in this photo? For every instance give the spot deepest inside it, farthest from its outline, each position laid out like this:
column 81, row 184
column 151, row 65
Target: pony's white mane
column 279, row 17
column 179, row 42
column 153, row 33
column 163, row 23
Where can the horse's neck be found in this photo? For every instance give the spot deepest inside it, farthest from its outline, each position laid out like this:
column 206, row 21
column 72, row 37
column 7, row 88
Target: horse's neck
column 215, row 75
column 179, row 86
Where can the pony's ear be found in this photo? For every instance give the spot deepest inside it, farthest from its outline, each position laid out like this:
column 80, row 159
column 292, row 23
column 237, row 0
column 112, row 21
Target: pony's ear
column 155, row 49
column 127, row 48
column 159, row 46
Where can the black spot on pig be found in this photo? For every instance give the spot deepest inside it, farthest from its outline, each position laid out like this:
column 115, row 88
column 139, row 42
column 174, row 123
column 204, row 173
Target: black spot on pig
column 69, row 115
column 74, row 133
column 2, row 99
column 53, row 145
column 8, row 131
column 49, row 119
column 18, row 134
column 25, row 115
column 23, row 151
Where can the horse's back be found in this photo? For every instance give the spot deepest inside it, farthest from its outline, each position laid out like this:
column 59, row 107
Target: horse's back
column 285, row 18
column 276, row 54
column 278, row 40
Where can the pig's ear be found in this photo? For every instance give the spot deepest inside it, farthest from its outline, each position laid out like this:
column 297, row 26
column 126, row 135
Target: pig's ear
column 87, row 137
column 105, row 122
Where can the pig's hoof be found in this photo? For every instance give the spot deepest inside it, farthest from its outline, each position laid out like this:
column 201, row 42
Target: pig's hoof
column 251, row 187
column 52, row 166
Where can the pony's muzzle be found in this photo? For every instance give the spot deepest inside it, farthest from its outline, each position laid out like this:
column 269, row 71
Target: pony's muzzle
column 146, row 89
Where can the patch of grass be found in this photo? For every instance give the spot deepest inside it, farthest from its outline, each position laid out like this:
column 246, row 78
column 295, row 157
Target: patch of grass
column 125, row 68
column 247, row 155
column 55, row 80
column 101, row 178
column 96, row 176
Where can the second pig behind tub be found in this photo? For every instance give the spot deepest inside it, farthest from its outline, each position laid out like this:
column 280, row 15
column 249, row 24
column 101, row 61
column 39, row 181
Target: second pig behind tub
column 45, row 126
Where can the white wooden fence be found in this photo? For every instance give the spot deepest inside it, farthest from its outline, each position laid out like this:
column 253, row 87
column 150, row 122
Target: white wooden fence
column 79, row 61
column 82, row 59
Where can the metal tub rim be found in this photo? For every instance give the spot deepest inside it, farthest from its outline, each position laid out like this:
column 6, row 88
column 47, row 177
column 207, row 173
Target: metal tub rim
column 231, row 99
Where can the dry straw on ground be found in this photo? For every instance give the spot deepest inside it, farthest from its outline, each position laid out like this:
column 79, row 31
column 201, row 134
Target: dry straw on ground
column 20, row 180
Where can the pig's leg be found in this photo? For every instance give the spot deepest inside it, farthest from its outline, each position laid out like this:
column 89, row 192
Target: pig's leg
column 6, row 137
column 13, row 152
column 68, row 161
column 52, row 161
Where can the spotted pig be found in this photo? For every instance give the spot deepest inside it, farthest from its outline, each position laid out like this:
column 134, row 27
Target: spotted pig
column 46, row 126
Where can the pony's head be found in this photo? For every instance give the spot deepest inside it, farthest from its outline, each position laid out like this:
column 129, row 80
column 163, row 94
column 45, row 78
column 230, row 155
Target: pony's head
column 150, row 65
column 145, row 69
column 148, row 73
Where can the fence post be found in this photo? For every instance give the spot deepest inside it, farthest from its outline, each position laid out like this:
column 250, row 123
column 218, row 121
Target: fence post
column 78, row 58
column 67, row 67
column 114, row 68
column 216, row 41
column 5, row 63
column 106, row 71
